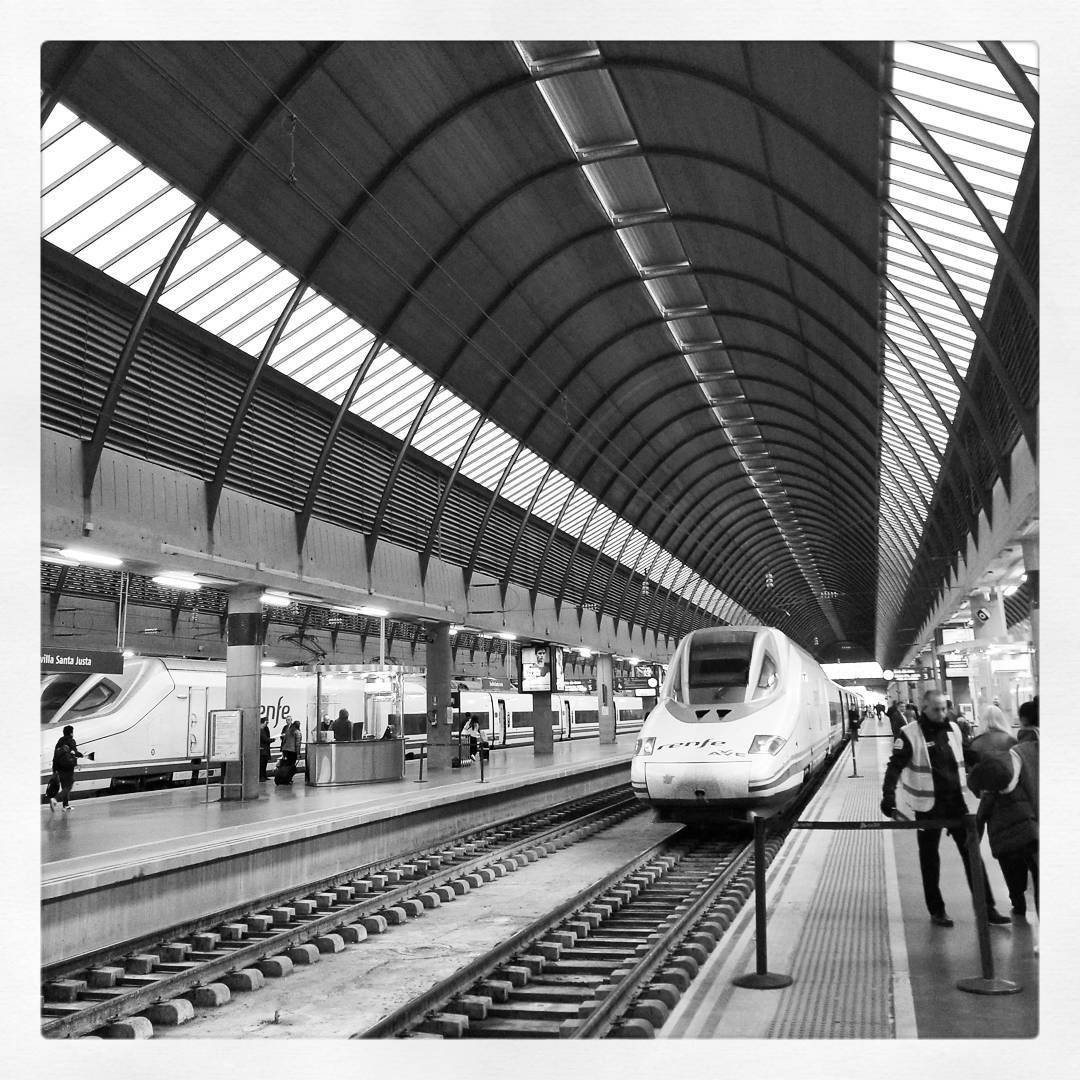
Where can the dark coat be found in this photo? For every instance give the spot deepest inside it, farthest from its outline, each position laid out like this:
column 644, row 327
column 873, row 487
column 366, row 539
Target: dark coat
column 65, row 754
column 1012, row 821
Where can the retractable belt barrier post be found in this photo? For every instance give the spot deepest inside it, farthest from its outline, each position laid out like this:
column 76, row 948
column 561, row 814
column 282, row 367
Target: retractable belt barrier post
column 762, row 978
column 854, row 763
column 985, row 983
column 423, row 751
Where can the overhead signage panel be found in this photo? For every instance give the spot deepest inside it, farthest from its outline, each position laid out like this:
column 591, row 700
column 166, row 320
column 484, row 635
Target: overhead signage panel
column 92, row 662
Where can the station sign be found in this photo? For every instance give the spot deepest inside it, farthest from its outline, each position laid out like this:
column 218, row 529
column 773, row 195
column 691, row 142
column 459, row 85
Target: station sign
column 88, row 661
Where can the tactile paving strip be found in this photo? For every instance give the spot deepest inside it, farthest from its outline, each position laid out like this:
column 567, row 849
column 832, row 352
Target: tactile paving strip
column 844, row 983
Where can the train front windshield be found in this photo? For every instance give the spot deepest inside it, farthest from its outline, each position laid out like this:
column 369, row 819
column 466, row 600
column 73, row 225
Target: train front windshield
column 718, row 671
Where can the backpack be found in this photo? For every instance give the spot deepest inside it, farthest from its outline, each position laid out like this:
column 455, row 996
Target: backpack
column 64, row 757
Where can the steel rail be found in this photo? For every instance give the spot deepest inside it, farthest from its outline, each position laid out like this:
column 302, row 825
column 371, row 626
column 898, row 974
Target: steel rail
column 613, row 1005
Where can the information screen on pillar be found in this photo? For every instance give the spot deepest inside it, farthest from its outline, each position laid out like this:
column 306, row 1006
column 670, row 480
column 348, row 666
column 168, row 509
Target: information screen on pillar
column 541, row 669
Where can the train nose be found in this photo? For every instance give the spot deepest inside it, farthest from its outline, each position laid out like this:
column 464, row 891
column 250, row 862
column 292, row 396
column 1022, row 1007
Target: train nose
column 697, row 781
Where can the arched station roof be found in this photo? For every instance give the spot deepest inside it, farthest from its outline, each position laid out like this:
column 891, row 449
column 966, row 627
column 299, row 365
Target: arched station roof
column 754, row 323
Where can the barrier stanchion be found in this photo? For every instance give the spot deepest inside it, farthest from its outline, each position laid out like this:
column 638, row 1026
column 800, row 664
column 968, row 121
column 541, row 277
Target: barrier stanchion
column 854, row 763
column 762, row 978
column 480, row 751
column 423, row 753
column 985, row 983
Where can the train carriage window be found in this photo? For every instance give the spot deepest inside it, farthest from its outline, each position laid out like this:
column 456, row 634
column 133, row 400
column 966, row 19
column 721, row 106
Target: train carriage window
column 718, row 671
column 767, row 678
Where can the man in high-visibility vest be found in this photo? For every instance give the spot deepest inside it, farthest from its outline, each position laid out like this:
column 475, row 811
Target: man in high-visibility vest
column 923, row 780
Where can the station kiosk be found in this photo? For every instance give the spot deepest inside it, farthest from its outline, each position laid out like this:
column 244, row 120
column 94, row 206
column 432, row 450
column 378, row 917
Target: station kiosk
column 371, row 747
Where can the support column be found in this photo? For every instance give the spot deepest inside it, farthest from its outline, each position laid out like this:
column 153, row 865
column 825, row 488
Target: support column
column 1030, row 547
column 605, row 696
column 243, row 684
column 988, row 627
column 441, row 741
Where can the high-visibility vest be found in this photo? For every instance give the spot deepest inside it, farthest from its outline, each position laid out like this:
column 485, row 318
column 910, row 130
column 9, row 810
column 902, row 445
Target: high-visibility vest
column 915, row 791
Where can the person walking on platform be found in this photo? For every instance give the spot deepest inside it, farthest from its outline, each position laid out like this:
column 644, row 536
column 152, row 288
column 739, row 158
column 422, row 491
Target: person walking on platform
column 264, row 748
column 925, row 765
column 896, row 718
column 1008, row 805
column 66, row 755
column 1017, row 864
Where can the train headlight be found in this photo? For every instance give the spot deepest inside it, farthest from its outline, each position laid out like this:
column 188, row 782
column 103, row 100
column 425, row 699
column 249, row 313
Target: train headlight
column 645, row 746
column 766, row 744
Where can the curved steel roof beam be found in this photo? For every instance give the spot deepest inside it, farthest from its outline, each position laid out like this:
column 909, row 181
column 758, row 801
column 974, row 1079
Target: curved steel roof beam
column 1024, row 417
column 214, row 488
column 646, row 576
column 303, row 519
column 436, row 519
column 1014, row 75
column 954, row 443
column 371, row 539
column 944, row 162
column 549, row 256
column 77, row 55
column 949, row 488
column 701, row 509
column 93, row 449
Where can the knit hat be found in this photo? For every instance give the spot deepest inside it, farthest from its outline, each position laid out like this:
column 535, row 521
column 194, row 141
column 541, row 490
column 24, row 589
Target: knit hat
column 993, row 773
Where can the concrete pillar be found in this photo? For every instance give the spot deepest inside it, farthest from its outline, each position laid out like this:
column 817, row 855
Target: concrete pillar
column 442, row 741
column 988, row 625
column 243, row 684
column 605, row 696
column 1030, row 547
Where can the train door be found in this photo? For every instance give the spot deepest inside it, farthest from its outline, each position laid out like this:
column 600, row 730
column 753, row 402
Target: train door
column 196, row 729
column 501, row 721
column 565, row 718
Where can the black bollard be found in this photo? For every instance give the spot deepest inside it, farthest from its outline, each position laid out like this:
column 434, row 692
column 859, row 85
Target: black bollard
column 985, row 983
column 762, row 979
column 854, row 763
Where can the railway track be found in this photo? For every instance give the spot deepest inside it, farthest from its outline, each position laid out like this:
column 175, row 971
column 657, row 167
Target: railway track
column 611, row 961
column 124, row 992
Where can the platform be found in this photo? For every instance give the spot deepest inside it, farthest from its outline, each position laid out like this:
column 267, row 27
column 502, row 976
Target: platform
column 847, row 921
column 118, row 867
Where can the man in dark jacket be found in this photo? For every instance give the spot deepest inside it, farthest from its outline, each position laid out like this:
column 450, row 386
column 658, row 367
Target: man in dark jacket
column 342, row 727
column 896, row 718
column 926, row 761
column 65, row 757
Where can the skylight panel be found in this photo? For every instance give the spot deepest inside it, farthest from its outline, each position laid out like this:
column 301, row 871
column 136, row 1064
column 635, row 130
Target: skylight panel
column 392, row 393
column 575, row 514
column 553, row 496
column 445, row 427
column 252, row 327
column 71, row 153
column 598, row 526
column 234, row 294
column 613, row 545
column 527, row 473
column 488, row 455
column 56, row 124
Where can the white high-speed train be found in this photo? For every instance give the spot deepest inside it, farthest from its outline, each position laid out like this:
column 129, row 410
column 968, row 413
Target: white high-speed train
column 745, row 717
column 148, row 725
